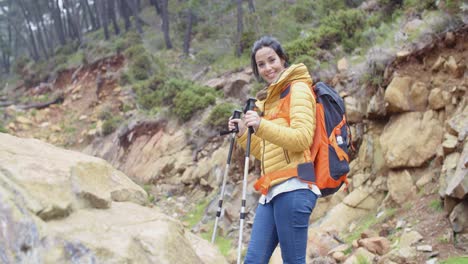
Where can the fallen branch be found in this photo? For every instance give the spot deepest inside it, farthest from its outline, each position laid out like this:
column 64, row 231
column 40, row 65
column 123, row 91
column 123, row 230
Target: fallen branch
column 57, row 100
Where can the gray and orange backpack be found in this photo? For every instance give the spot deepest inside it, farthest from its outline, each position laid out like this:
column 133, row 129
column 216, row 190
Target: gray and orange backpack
column 329, row 150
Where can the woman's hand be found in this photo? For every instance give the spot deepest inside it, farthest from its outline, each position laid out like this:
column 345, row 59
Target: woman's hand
column 240, row 123
column 252, row 119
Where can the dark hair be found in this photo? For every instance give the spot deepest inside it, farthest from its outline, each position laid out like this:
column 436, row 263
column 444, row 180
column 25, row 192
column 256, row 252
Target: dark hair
column 271, row 42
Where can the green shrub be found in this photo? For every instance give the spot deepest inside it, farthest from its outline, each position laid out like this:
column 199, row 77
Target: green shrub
column 20, row 64
column 141, row 67
column 299, row 47
column 125, row 78
column 220, row 114
column 135, row 51
column 109, row 125
column 190, row 100
column 309, row 61
column 302, row 12
column 206, row 56
column 128, row 40
column 171, row 88
column 343, row 26
column 67, row 49
column 419, row 5
column 146, row 98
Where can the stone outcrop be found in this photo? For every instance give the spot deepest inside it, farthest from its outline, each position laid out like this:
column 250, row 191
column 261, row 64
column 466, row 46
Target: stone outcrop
column 59, row 206
column 410, row 139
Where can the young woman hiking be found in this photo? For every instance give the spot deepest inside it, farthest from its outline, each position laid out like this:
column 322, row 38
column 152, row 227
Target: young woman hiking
column 281, row 142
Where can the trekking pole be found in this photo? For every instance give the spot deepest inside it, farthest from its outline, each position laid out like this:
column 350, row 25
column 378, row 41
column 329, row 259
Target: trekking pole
column 233, row 132
column 250, row 106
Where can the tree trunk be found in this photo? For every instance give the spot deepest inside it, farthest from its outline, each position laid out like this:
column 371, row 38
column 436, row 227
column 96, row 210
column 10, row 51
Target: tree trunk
column 41, row 30
column 102, row 11
column 188, row 32
column 35, row 53
column 157, row 6
column 92, row 17
column 123, row 9
column 57, row 18
column 96, row 11
column 72, row 27
column 240, row 29
column 165, row 23
column 251, row 6
column 135, row 7
column 112, row 16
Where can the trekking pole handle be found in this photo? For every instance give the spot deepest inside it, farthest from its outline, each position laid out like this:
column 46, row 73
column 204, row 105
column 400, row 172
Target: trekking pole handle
column 235, row 115
column 250, row 105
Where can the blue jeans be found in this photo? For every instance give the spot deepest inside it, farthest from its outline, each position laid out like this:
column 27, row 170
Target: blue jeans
column 283, row 220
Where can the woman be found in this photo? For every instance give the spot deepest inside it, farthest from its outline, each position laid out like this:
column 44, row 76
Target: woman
column 282, row 138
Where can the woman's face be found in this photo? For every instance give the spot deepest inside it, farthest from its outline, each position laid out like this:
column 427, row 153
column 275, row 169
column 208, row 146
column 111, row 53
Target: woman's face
column 269, row 64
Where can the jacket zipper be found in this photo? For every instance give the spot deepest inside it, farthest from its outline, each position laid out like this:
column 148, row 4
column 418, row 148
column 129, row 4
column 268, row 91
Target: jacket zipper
column 263, row 158
column 286, row 156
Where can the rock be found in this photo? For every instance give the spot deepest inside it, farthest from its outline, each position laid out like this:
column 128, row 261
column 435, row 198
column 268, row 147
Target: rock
column 376, row 108
column 448, row 171
column 456, row 70
column 359, row 204
column 236, row 86
column 449, row 144
column 457, row 185
column 23, row 120
column 320, row 243
column 359, row 179
column 396, row 94
column 403, row 54
column 438, row 99
column 438, row 64
column 217, row 83
column 410, row 139
column 424, row 248
column 63, row 181
column 342, row 65
column 339, row 256
column 52, row 204
column 459, row 217
column 375, row 245
column 205, row 250
column 418, row 96
column 450, row 39
column 425, row 179
column 400, row 186
column 55, row 128
column 458, row 125
column 409, row 238
column 354, row 110
column 360, row 254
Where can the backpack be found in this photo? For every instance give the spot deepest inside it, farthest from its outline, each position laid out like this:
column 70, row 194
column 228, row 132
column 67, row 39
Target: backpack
column 329, row 149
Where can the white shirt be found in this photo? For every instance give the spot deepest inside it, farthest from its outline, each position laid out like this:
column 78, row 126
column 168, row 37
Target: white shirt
column 290, row 185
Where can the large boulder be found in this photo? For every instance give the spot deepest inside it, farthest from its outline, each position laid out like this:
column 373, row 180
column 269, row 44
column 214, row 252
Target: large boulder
column 411, row 139
column 403, row 94
column 60, row 206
